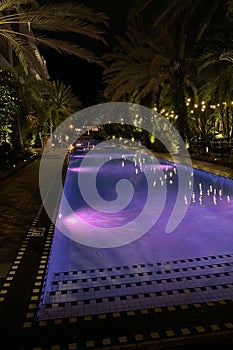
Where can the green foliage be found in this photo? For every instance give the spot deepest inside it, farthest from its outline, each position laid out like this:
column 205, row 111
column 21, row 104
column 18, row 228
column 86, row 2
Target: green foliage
column 9, row 104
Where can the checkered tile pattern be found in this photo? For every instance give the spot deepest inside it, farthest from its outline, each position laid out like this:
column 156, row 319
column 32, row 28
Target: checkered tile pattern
column 121, row 288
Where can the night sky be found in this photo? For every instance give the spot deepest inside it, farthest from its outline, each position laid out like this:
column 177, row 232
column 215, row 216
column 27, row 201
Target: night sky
column 84, row 77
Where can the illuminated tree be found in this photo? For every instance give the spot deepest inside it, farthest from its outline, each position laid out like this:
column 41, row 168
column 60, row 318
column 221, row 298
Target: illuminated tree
column 9, row 106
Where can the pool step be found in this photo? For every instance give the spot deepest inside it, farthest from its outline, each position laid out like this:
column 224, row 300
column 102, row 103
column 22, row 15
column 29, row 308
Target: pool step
column 139, row 286
column 199, row 274
column 65, row 293
column 163, row 269
column 132, row 302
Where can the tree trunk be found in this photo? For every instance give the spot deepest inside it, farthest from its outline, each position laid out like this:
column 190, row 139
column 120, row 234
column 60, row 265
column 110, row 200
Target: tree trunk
column 178, row 97
column 227, row 123
column 20, row 137
column 181, row 111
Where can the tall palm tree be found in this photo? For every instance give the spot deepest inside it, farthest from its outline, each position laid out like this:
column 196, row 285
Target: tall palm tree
column 171, row 37
column 147, row 67
column 62, row 103
column 25, row 25
column 134, row 70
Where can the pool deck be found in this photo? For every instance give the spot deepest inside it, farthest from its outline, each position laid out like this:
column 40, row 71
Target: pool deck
column 26, row 236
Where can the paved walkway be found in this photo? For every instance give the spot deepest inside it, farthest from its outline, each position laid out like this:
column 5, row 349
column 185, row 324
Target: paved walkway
column 19, row 201
column 23, row 258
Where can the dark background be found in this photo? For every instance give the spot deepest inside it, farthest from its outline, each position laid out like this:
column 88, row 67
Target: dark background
column 84, row 77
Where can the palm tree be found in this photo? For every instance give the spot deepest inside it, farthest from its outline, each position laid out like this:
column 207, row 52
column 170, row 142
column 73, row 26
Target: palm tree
column 148, row 67
column 62, row 103
column 26, row 25
column 161, row 62
column 133, row 70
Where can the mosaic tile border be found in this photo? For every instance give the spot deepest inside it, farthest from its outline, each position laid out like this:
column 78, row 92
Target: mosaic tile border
column 18, row 259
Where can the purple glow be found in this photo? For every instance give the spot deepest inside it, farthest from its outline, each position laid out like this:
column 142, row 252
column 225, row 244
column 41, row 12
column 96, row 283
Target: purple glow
column 75, row 221
column 77, row 156
column 81, row 169
column 198, row 234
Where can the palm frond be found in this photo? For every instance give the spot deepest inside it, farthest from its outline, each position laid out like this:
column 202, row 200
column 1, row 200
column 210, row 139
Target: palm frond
column 138, row 8
column 206, row 18
column 69, row 48
column 226, row 56
column 46, row 20
column 23, row 50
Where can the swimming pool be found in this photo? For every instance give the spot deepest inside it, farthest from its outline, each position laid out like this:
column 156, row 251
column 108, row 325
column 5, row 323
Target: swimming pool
column 154, row 269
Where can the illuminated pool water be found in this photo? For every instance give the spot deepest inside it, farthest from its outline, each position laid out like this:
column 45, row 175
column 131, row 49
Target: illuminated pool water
column 205, row 231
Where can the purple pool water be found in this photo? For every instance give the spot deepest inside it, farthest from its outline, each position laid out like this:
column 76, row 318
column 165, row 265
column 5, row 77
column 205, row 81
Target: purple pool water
column 205, row 230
